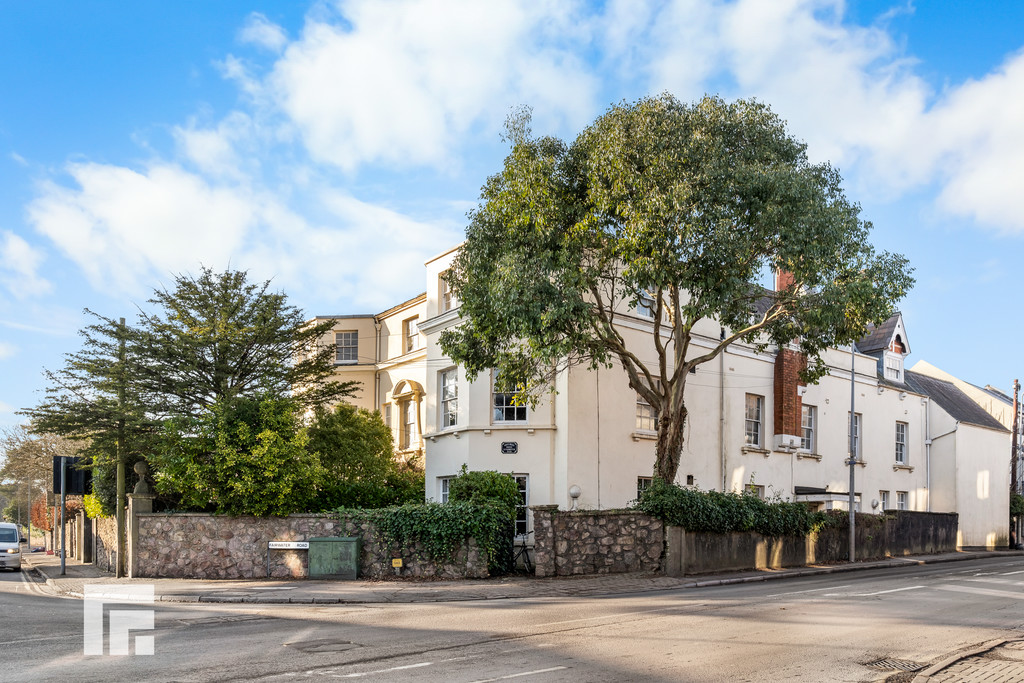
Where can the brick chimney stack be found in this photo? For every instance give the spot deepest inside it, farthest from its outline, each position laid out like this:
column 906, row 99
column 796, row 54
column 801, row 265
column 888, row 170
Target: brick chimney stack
column 783, row 280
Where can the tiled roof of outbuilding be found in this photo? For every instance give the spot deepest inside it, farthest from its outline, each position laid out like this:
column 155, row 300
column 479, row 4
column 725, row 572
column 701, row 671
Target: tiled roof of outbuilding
column 878, row 338
column 955, row 402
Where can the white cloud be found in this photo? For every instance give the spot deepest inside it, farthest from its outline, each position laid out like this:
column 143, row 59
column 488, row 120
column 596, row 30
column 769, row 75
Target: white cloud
column 19, row 265
column 214, row 150
column 121, row 224
column 401, row 82
column 7, row 350
column 258, row 30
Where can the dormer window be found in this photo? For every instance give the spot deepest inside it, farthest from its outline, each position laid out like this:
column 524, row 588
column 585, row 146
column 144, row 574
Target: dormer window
column 894, row 367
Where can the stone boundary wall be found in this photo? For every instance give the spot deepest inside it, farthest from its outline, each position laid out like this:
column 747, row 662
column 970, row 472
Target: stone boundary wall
column 105, row 539
column 203, row 546
column 604, row 542
column 894, row 534
column 595, row 542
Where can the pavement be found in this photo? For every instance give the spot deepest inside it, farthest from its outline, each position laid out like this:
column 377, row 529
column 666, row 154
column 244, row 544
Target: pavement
column 1001, row 660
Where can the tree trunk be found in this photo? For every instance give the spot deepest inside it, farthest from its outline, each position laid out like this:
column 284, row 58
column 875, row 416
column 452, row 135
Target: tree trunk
column 670, row 444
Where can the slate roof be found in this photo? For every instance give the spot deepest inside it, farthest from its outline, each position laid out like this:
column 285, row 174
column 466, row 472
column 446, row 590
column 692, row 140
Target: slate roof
column 955, row 402
column 878, row 338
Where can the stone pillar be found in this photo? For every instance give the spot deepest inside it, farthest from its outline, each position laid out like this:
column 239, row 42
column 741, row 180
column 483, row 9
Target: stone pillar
column 544, row 539
column 84, row 537
column 138, row 504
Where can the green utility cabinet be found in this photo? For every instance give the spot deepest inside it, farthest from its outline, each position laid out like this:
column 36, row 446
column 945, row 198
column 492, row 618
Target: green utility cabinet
column 334, row 557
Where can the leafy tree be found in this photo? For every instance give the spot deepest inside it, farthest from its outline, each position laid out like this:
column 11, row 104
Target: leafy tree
column 244, row 456
column 355, row 448
column 95, row 401
column 217, row 336
column 679, row 208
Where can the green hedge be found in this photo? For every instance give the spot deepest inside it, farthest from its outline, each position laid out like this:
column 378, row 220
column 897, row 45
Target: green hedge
column 721, row 513
column 440, row 529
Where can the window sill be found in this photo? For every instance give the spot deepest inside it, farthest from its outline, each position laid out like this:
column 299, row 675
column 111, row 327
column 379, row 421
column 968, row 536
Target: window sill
column 804, row 455
column 897, row 467
column 756, row 449
column 644, row 435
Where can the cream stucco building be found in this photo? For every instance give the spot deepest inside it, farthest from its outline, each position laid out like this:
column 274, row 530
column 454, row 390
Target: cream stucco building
column 752, row 424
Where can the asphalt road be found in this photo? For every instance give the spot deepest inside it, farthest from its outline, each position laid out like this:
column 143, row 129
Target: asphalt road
column 822, row 628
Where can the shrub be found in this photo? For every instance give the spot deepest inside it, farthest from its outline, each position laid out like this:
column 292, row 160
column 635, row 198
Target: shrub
column 716, row 512
column 485, row 487
column 1016, row 505
column 440, row 528
column 355, row 448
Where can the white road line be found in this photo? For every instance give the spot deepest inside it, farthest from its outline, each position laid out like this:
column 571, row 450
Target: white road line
column 1002, row 582
column 384, row 671
column 523, row 673
column 812, row 590
column 982, row 591
column 618, row 616
column 865, row 595
column 1012, row 573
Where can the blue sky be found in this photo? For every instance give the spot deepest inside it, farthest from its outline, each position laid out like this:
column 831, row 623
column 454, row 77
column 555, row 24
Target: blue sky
column 334, row 146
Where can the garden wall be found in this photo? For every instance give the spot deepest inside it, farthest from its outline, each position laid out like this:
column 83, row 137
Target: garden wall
column 592, row 542
column 595, row 542
column 188, row 545
column 105, row 539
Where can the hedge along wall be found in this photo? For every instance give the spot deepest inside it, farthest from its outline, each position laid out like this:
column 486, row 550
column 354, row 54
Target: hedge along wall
column 202, row 546
column 593, row 542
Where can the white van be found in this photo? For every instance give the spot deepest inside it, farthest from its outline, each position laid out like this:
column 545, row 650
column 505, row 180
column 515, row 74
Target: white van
column 10, row 547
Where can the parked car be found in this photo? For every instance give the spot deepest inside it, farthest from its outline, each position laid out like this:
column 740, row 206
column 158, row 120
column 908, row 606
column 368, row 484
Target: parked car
column 10, row 547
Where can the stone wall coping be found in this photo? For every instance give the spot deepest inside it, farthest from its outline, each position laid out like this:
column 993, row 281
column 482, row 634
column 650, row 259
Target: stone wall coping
column 307, row 515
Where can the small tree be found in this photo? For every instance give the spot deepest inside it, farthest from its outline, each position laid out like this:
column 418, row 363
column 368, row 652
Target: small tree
column 677, row 209
column 356, row 450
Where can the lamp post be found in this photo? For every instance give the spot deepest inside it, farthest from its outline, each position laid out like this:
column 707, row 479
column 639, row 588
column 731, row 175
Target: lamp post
column 853, row 446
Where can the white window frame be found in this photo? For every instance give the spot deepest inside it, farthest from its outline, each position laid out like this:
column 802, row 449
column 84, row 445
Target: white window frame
column 902, row 500
column 647, row 416
column 884, row 495
column 808, row 427
column 645, row 305
column 408, row 432
column 522, row 503
column 858, row 434
column 893, row 367
column 411, row 334
column 442, row 488
column 445, row 297
column 346, row 347
column 503, row 407
column 901, row 442
column 642, row 484
column 385, row 411
column 753, row 421
column 755, row 490
column 448, row 384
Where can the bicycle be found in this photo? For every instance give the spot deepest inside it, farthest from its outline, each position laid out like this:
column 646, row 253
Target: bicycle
column 523, row 552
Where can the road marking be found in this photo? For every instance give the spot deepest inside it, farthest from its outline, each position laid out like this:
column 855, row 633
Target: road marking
column 382, row 671
column 273, row 588
column 866, row 595
column 812, row 590
column 1002, row 582
column 1012, row 573
column 523, row 673
column 982, row 591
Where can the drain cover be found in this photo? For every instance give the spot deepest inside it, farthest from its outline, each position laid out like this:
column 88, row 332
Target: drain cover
column 889, row 664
